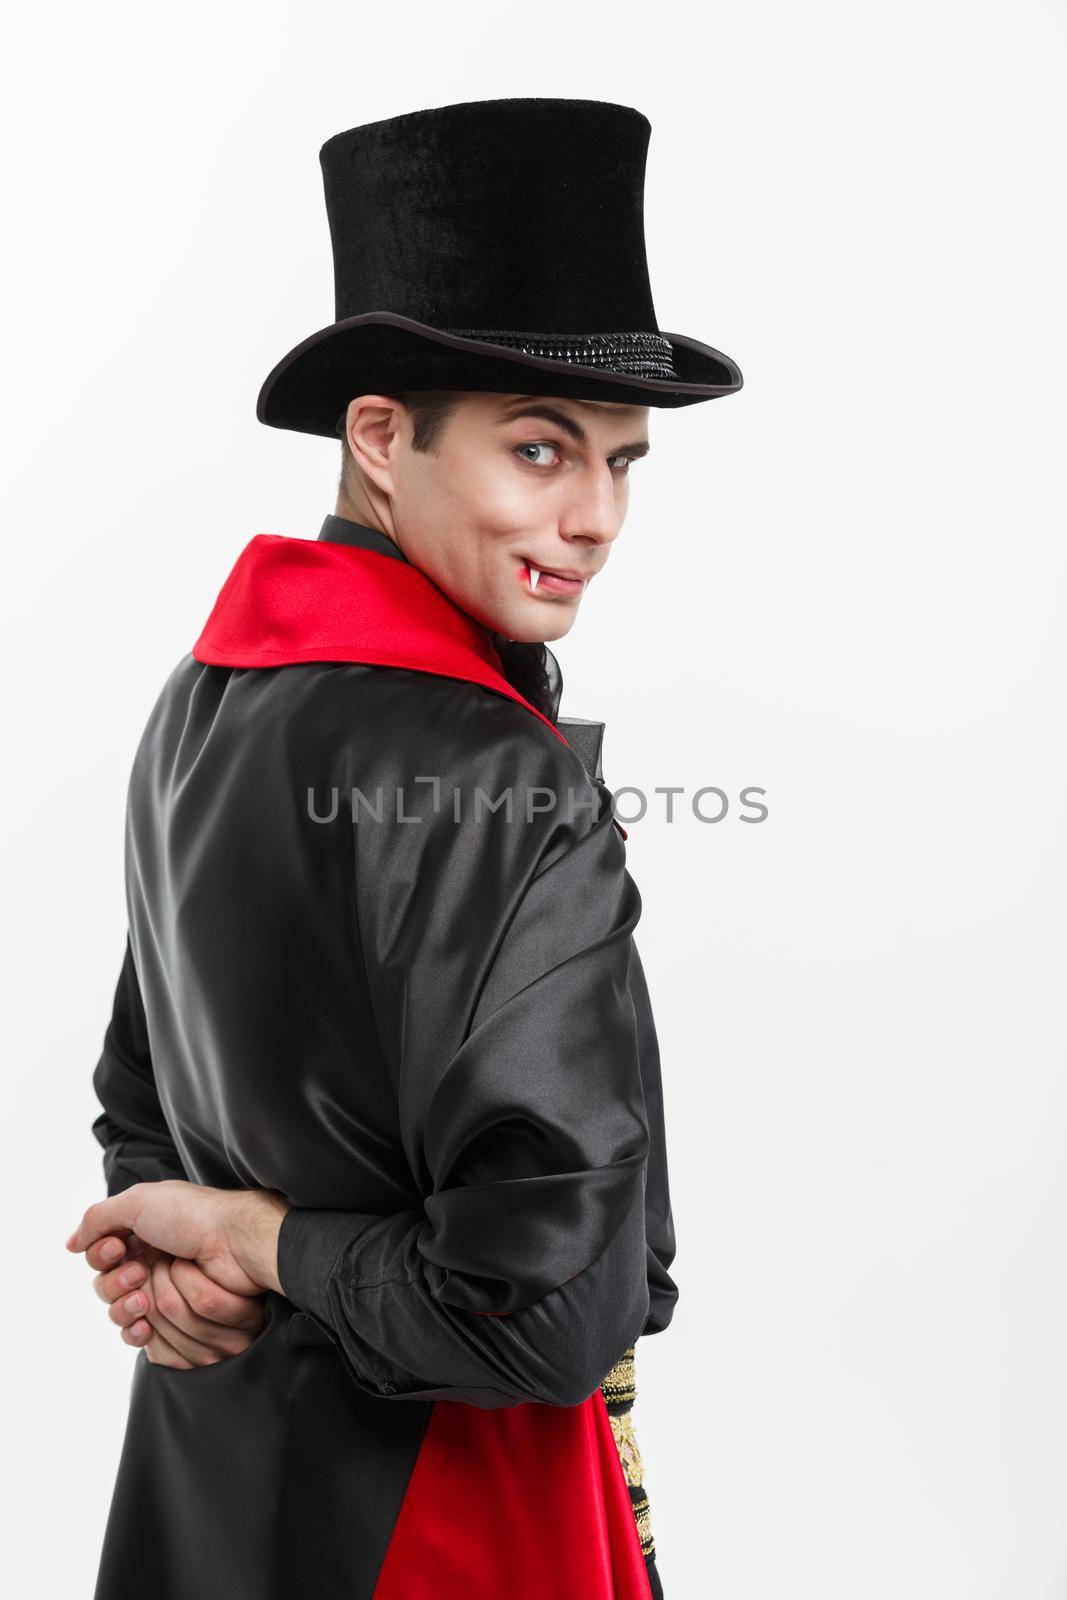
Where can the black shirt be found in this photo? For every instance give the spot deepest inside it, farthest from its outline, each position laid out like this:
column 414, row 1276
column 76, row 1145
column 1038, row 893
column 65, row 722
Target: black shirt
column 341, row 530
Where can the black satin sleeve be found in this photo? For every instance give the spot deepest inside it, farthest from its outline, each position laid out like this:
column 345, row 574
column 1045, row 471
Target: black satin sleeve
column 498, row 954
column 659, row 1221
column 132, row 1129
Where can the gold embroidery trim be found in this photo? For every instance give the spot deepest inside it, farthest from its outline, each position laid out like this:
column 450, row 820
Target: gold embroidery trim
column 619, row 1389
column 629, row 1454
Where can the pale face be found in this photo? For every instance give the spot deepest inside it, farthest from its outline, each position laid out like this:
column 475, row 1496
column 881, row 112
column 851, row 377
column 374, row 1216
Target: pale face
column 515, row 512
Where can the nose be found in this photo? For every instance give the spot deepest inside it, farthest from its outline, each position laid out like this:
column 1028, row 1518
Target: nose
column 592, row 515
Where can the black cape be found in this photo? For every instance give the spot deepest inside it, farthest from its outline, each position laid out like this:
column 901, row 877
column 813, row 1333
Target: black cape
column 423, row 1020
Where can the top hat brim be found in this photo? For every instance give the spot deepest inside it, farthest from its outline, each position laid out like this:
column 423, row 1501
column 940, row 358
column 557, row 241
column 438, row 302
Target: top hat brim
column 382, row 352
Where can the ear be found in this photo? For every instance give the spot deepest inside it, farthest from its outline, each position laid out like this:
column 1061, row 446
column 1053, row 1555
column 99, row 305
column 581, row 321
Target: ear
column 373, row 425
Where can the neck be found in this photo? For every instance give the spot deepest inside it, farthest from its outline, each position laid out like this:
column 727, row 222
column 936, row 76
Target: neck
column 357, row 507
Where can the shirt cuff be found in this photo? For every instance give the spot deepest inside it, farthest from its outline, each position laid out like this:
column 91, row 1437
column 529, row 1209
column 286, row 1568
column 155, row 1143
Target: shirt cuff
column 310, row 1242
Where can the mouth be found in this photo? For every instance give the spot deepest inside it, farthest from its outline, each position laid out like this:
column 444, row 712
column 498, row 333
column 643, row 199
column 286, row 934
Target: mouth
column 546, row 580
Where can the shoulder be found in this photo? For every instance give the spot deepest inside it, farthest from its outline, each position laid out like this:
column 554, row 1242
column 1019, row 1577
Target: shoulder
column 462, row 731
column 479, row 777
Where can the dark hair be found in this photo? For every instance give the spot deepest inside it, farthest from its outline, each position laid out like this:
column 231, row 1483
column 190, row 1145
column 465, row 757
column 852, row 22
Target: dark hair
column 529, row 668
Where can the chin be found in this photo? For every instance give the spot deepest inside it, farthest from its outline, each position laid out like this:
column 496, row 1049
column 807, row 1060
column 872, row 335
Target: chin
column 542, row 630
column 527, row 624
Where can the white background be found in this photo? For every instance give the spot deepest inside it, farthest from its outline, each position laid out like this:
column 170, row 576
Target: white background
column 844, row 584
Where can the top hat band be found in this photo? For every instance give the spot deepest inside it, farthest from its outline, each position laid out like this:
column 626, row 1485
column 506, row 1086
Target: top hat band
column 643, row 355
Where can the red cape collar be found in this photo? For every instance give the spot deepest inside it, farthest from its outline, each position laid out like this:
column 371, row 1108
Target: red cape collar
column 288, row 600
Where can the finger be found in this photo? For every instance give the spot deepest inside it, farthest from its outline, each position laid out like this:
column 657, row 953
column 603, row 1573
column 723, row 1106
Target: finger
column 120, row 1280
column 142, row 1333
column 209, row 1301
column 130, row 1309
column 107, row 1252
column 131, row 1248
column 138, row 1249
column 131, row 1271
column 190, row 1350
column 163, row 1354
column 196, row 1338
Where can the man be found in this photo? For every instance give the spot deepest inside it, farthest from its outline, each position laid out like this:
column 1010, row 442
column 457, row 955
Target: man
column 382, row 1121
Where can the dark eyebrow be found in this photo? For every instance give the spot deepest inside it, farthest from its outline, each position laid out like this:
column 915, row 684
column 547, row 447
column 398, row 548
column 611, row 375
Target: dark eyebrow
column 549, row 413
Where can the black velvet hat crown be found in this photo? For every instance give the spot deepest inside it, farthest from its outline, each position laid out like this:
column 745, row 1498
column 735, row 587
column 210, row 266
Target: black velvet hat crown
column 493, row 245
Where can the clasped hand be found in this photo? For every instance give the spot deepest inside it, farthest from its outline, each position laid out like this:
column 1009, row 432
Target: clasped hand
column 183, row 1268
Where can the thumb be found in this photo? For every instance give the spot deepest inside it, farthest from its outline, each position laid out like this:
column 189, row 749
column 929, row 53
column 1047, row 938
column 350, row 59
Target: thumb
column 106, row 1216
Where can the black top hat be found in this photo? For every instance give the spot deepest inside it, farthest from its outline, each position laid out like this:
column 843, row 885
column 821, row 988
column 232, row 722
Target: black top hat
column 491, row 245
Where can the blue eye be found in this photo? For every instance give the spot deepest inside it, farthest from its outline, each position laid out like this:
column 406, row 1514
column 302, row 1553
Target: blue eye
column 541, row 444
